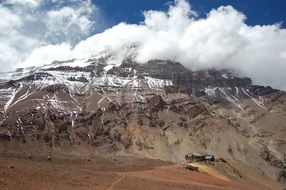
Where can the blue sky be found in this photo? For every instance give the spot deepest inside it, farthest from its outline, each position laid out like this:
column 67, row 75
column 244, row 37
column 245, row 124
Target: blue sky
column 262, row 12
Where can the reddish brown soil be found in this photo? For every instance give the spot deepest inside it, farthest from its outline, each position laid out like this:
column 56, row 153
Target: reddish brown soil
column 66, row 172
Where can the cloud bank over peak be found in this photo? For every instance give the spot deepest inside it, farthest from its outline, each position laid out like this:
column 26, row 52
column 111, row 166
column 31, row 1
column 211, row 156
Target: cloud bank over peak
column 220, row 40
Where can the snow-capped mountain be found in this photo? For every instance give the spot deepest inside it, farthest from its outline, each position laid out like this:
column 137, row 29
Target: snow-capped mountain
column 158, row 109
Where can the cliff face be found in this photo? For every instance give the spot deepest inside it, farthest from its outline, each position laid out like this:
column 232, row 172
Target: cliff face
column 158, row 110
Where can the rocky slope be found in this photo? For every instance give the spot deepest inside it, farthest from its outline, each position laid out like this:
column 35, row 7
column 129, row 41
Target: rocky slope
column 158, row 109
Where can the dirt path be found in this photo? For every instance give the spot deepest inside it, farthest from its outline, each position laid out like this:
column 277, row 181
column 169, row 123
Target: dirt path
column 116, row 182
column 210, row 171
column 178, row 176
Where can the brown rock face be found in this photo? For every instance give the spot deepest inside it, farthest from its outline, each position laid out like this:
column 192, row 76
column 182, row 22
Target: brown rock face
column 156, row 103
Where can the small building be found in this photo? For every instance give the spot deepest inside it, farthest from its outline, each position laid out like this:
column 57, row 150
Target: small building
column 198, row 157
column 210, row 158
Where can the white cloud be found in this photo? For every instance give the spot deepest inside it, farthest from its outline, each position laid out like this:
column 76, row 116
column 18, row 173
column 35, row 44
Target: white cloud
column 25, row 3
column 66, row 23
column 26, row 25
column 13, row 44
column 40, row 56
column 9, row 20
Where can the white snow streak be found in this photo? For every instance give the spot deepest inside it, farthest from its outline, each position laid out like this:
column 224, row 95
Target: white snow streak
column 260, row 104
